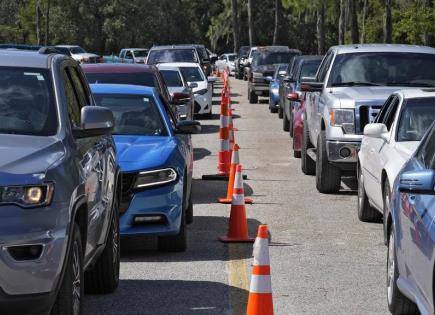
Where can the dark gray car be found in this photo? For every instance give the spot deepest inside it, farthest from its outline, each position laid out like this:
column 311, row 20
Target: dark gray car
column 58, row 187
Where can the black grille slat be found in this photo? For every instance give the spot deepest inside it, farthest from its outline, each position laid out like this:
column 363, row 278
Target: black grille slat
column 127, row 185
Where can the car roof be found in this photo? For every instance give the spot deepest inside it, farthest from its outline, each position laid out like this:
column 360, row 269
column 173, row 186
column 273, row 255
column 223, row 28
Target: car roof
column 162, row 47
column 134, row 49
column 99, row 88
column 118, row 68
column 345, row 49
column 164, row 66
column 67, row 46
column 417, row 93
column 24, row 58
column 181, row 64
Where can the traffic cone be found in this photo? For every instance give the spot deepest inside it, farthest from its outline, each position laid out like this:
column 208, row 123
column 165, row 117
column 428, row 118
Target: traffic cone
column 260, row 292
column 238, row 225
column 235, row 160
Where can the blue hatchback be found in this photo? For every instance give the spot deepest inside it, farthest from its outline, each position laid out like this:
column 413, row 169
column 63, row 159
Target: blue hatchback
column 155, row 155
column 411, row 234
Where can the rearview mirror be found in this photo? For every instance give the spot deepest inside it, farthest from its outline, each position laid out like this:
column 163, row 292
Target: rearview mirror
column 293, row 97
column 311, row 86
column 95, row 121
column 180, row 98
column 375, row 130
column 188, row 127
column 417, row 181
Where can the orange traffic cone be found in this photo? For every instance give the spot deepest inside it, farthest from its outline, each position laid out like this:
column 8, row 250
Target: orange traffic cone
column 238, row 225
column 235, row 160
column 260, row 292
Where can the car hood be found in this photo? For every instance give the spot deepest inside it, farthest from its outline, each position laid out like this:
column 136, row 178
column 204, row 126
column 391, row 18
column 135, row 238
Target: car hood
column 375, row 94
column 143, row 152
column 201, row 85
column 177, row 89
column 407, row 148
column 32, row 155
column 264, row 68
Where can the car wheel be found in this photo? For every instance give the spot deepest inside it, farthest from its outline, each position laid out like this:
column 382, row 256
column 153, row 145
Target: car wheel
column 285, row 123
column 70, row 296
column 104, row 276
column 189, row 209
column 253, row 98
column 398, row 304
column 280, row 112
column 175, row 243
column 366, row 213
column 308, row 166
column 328, row 176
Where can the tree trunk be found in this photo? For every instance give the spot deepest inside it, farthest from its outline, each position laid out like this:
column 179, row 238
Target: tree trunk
column 235, row 25
column 427, row 36
column 47, row 23
column 353, row 22
column 364, row 21
column 342, row 23
column 251, row 35
column 321, row 29
column 277, row 12
column 388, row 27
column 38, row 22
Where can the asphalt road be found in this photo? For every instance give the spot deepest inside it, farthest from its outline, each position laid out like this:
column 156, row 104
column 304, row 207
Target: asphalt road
column 323, row 260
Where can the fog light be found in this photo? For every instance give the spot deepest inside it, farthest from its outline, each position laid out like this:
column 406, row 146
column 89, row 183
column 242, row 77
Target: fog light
column 149, row 219
column 345, row 152
column 25, row 252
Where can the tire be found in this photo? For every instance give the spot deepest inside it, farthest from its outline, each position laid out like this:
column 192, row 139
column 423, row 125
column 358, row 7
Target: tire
column 103, row 278
column 328, row 176
column 280, row 112
column 189, row 209
column 366, row 213
column 71, row 293
column 285, row 123
column 253, row 98
column 308, row 166
column 398, row 304
column 175, row 243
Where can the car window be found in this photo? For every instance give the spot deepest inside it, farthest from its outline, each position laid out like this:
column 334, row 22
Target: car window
column 324, row 67
column 72, row 102
column 64, row 51
column 232, row 57
column 270, row 58
column 128, row 55
column 171, row 115
column 171, row 55
column 134, row 78
column 27, row 104
column 134, row 114
column 309, row 69
column 82, row 94
column 428, row 151
column 172, row 78
column 140, row 53
column 77, row 50
column 192, row 74
column 391, row 114
column 417, row 116
column 384, row 110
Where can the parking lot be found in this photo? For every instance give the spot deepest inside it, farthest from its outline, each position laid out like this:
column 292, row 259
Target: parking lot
column 323, row 260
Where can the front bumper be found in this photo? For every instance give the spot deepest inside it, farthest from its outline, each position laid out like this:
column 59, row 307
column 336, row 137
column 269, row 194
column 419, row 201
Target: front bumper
column 338, row 151
column 165, row 201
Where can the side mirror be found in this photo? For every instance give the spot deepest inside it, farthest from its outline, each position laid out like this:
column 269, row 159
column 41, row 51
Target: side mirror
column 188, row 127
column 180, row 98
column 211, row 79
column 375, row 130
column 293, row 97
column 193, row 85
column 311, row 86
column 268, row 79
column 282, row 73
column 417, row 181
column 95, row 121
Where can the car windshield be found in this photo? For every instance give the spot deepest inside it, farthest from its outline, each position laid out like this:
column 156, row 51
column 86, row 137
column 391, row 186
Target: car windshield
column 244, row 51
column 27, row 104
column 171, row 55
column 231, row 57
column 140, row 53
column 77, row 50
column 270, row 58
column 64, row 51
column 134, row 114
column 417, row 116
column 386, row 69
column 135, row 78
column 309, row 69
column 192, row 74
column 203, row 53
column 172, row 78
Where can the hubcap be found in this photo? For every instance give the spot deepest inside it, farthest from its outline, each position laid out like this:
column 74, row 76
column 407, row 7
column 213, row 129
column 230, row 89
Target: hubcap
column 76, row 285
column 390, row 269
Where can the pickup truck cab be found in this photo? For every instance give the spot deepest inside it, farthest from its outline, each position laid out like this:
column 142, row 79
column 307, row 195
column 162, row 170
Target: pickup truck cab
column 352, row 84
column 133, row 55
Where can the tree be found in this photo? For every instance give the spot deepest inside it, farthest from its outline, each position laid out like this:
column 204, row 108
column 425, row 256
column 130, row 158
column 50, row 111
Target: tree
column 353, row 22
column 47, row 23
column 234, row 14
column 321, row 28
column 388, row 28
column 277, row 12
column 251, row 35
column 38, row 22
column 341, row 23
column 364, row 20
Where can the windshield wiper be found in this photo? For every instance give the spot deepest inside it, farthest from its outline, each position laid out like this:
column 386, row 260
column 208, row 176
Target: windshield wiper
column 352, row 83
column 404, row 83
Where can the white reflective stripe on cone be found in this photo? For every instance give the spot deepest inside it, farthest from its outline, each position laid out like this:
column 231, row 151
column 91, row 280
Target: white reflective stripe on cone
column 225, row 145
column 261, row 252
column 224, row 121
column 260, row 284
column 238, row 200
column 235, row 157
column 238, row 183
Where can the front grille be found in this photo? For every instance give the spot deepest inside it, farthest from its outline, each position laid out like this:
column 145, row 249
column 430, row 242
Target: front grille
column 127, row 185
column 367, row 115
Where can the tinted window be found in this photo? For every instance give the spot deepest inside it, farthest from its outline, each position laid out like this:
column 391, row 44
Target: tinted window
column 309, row 69
column 202, row 53
column 140, row 53
column 232, row 57
column 77, row 50
column 417, row 116
column 172, row 78
column 135, row 78
column 63, row 50
column 171, row 55
column 428, row 151
column 81, row 92
column 192, row 74
column 72, row 103
column 128, row 55
column 324, row 66
column 26, row 102
column 391, row 69
column 134, row 114
column 270, row 58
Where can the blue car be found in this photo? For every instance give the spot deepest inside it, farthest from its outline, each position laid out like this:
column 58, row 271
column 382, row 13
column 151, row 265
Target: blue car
column 274, row 81
column 155, row 155
column 411, row 234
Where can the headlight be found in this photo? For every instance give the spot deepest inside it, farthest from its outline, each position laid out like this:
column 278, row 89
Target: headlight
column 155, row 177
column 201, row 92
column 257, row 74
column 27, row 196
column 344, row 118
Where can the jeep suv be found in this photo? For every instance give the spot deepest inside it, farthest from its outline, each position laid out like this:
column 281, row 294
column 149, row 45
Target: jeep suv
column 352, row 84
column 58, row 187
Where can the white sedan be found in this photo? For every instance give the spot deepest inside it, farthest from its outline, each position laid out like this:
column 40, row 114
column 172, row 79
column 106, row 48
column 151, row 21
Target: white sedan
column 226, row 61
column 78, row 53
column 203, row 92
column 387, row 144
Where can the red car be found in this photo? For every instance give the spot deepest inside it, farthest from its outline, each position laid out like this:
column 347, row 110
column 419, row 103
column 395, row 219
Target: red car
column 135, row 74
column 298, row 123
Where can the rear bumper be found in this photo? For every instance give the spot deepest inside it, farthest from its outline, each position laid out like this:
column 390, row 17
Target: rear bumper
column 27, row 304
column 260, row 89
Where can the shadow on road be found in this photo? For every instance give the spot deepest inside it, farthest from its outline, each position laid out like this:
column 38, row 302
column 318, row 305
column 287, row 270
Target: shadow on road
column 207, row 129
column 207, row 191
column 155, row 297
column 200, row 153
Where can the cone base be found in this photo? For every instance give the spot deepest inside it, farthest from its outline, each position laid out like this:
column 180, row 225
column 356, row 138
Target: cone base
column 229, row 201
column 219, row 177
column 226, row 239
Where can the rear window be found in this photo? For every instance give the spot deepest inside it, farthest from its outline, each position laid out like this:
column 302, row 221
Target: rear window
column 417, row 116
column 135, row 78
column 309, row 69
column 192, row 74
column 140, row 53
column 172, row 78
column 270, row 58
column 27, row 105
column 171, row 55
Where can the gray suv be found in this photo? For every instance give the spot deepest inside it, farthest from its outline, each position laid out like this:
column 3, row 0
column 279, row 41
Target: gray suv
column 59, row 230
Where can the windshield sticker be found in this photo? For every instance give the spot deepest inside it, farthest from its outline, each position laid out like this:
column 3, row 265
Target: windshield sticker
column 37, row 75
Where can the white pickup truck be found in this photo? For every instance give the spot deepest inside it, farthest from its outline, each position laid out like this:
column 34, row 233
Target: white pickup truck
column 352, row 84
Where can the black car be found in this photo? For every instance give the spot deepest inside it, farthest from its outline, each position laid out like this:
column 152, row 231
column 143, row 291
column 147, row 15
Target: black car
column 242, row 57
